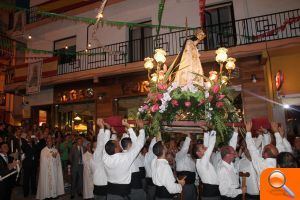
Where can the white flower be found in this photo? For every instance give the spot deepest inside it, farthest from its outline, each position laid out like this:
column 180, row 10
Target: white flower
column 173, row 86
column 162, row 108
column 141, row 109
column 189, row 87
column 166, row 97
column 206, row 94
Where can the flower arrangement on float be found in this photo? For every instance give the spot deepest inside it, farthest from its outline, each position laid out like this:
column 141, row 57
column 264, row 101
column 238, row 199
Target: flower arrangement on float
column 167, row 101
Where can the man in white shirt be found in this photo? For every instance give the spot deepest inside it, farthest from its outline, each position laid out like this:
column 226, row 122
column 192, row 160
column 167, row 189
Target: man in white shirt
column 245, row 165
column 148, row 160
column 228, row 176
column 186, row 167
column 282, row 144
column 260, row 161
column 118, row 164
column 205, row 168
column 162, row 175
column 97, row 165
column 137, row 192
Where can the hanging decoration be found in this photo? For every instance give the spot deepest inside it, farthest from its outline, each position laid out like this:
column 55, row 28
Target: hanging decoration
column 161, row 8
column 100, row 12
column 87, row 20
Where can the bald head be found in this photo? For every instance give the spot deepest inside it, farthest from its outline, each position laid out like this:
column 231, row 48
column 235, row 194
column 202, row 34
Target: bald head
column 270, row 151
column 228, row 154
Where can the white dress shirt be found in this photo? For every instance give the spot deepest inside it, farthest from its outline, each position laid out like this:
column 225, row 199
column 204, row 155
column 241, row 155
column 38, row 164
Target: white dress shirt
column 184, row 161
column 204, row 167
column 149, row 157
column 118, row 166
column 97, row 165
column 228, row 180
column 245, row 165
column 282, row 144
column 259, row 163
column 140, row 160
column 162, row 175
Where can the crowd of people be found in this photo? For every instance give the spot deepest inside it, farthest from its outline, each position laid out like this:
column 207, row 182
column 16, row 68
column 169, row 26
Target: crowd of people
column 112, row 166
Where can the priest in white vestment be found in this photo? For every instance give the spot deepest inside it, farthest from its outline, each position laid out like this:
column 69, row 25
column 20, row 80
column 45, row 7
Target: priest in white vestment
column 88, row 184
column 50, row 184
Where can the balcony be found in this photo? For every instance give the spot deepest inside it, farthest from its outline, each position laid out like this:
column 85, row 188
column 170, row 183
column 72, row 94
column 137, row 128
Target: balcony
column 252, row 30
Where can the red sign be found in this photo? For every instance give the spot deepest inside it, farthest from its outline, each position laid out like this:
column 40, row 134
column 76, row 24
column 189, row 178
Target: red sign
column 279, row 78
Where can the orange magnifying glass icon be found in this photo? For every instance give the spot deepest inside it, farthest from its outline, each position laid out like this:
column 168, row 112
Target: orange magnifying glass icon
column 277, row 180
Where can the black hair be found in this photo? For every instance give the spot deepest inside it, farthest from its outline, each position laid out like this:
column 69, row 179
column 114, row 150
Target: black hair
column 286, row 160
column 158, row 149
column 110, row 147
column 2, row 143
column 125, row 143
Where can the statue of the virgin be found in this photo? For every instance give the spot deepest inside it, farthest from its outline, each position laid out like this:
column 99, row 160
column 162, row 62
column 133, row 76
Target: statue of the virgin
column 189, row 62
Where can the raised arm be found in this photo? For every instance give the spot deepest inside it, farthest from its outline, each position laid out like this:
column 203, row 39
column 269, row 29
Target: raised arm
column 212, row 141
column 256, row 157
column 185, row 147
column 282, row 144
column 152, row 143
column 138, row 145
column 206, row 139
column 234, row 138
column 102, row 138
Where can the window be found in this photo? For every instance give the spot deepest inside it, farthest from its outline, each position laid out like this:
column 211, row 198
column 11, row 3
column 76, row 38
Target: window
column 140, row 43
column 220, row 26
column 65, row 49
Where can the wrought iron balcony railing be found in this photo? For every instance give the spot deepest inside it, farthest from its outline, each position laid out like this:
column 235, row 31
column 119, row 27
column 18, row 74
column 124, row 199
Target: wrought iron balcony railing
column 240, row 32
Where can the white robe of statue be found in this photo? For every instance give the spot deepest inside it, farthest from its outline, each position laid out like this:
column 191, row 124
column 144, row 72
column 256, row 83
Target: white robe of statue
column 189, row 64
column 51, row 183
column 88, row 185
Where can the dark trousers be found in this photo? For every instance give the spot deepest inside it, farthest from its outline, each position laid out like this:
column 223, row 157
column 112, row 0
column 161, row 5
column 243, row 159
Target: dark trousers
column 189, row 192
column 77, row 180
column 29, row 180
column 5, row 190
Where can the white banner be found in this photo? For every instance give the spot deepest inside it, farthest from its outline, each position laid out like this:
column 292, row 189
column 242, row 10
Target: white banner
column 34, row 77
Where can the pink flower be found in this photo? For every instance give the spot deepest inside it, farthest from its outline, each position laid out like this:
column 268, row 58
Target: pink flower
column 162, row 86
column 216, row 89
column 187, row 104
column 210, row 98
column 221, row 96
column 159, row 96
column 219, row 104
column 154, row 108
column 145, row 107
column 174, row 103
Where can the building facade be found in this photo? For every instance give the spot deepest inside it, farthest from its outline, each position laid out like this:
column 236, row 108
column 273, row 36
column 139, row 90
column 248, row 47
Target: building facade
column 98, row 72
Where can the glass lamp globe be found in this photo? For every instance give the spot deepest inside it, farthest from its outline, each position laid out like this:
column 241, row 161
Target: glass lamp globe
column 221, row 55
column 230, row 65
column 160, row 55
column 154, row 77
column 224, row 80
column 213, row 75
column 148, row 63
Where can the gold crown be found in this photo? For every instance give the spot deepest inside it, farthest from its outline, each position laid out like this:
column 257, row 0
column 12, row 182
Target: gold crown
column 199, row 33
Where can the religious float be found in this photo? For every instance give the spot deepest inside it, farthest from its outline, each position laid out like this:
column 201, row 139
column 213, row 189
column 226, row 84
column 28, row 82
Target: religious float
column 182, row 98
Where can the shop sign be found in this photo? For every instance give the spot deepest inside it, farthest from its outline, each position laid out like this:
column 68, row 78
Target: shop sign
column 279, row 79
column 75, row 95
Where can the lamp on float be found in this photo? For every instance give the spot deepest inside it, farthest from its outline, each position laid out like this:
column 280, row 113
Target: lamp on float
column 213, row 75
column 154, row 77
column 148, row 63
column 224, row 80
column 221, row 56
column 230, row 65
column 160, row 56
